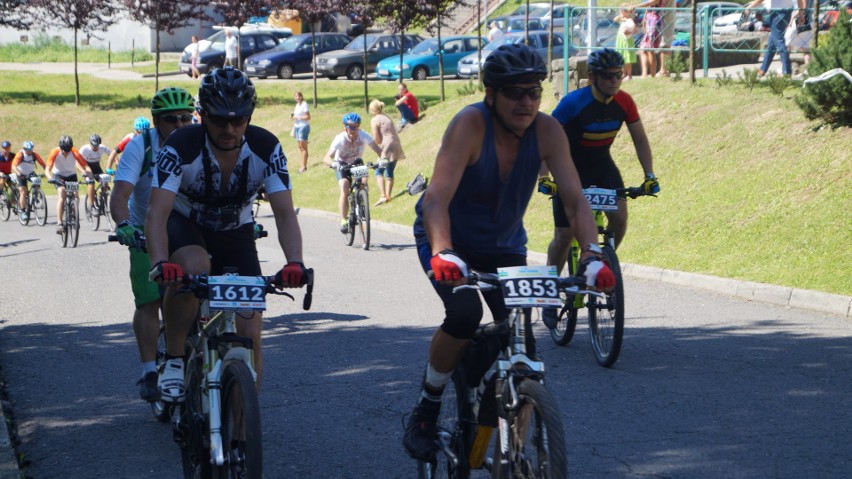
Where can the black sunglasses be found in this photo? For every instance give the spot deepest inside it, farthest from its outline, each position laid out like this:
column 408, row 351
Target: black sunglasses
column 517, row 93
column 605, row 75
column 222, row 121
column 183, row 117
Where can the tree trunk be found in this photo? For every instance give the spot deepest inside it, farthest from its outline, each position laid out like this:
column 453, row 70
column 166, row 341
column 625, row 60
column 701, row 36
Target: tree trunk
column 364, row 73
column 440, row 59
column 313, row 62
column 157, row 62
column 76, row 78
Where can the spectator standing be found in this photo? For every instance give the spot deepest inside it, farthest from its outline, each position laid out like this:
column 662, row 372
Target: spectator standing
column 407, row 105
column 194, row 54
column 301, row 127
column 651, row 39
column 385, row 135
column 495, row 34
column 624, row 43
column 780, row 12
column 230, row 49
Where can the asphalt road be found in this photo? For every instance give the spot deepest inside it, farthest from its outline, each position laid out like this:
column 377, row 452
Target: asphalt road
column 707, row 386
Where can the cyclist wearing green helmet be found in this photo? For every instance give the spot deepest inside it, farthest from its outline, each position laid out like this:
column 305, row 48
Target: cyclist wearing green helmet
column 171, row 108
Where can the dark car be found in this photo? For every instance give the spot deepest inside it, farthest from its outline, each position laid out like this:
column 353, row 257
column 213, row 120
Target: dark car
column 293, row 55
column 350, row 60
column 212, row 48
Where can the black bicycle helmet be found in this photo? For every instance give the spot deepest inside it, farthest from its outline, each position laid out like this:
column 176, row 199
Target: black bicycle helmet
column 66, row 143
column 511, row 64
column 604, row 59
column 95, row 139
column 226, row 92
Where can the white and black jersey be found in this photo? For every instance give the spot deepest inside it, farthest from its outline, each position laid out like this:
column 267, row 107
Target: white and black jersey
column 185, row 166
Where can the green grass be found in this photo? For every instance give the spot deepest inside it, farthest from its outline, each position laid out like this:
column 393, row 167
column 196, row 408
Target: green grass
column 42, row 48
column 750, row 189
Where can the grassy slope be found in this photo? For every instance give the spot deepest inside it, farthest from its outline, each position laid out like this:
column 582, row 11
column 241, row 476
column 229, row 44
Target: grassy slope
column 749, row 190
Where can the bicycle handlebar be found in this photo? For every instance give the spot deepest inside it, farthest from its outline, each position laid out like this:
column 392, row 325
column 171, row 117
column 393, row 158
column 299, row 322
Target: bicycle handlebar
column 197, row 285
column 632, row 192
column 490, row 281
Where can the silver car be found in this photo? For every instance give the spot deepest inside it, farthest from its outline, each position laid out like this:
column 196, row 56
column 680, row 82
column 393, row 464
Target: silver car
column 470, row 66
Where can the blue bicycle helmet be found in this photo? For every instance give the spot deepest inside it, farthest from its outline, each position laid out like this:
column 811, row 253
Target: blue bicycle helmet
column 351, row 119
column 604, row 59
column 6, row 144
column 28, row 145
column 141, row 123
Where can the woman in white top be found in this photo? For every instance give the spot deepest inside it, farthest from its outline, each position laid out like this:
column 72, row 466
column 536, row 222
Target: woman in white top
column 301, row 127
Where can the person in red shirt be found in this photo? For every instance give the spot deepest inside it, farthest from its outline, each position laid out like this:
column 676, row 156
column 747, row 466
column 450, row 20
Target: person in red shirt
column 406, row 102
column 6, row 157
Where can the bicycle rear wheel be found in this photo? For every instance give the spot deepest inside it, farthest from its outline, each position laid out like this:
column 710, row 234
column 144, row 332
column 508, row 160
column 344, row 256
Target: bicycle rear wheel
column 191, row 429
column 38, row 204
column 363, row 201
column 606, row 316
column 536, row 438
column 5, row 205
column 104, row 209
column 241, row 436
column 453, row 435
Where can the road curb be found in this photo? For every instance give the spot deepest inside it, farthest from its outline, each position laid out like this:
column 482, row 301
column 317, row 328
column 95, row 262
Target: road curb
column 818, row 301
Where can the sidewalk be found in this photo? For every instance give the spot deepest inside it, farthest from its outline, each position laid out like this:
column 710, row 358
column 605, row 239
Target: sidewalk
column 115, row 71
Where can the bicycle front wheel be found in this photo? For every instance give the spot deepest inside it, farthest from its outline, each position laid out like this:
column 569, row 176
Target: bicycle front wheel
column 454, row 435
column 606, row 316
column 92, row 216
column 349, row 236
column 536, row 438
column 241, row 435
column 74, row 224
column 38, row 204
column 191, row 431
column 104, row 209
column 364, row 217
column 65, row 230
column 5, row 206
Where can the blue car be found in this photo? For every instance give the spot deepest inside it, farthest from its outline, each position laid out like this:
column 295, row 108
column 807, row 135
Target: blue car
column 421, row 61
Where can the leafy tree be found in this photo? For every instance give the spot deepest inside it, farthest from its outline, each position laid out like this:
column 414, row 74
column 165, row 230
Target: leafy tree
column 314, row 11
column 366, row 10
column 14, row 15
column 165, row 15
column 433, row 15
column 829, row 100
column 237, row 14
column 400, row 16
column 87, row 16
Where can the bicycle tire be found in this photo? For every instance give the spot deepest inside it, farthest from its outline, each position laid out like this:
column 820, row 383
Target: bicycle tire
column 454, row 426
column 563, row 333
column 192, row 428
column 104, row 209
column 65, row 231
column 536, row 446
column 349, row 236
column 243, row 445
column 75, row 224
column 606, row 316
column 38, row 204
column 92, row 216
column 363, row 200
column 5, row 205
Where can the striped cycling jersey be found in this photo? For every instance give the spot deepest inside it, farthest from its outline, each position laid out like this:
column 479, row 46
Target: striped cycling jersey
column 592, row 123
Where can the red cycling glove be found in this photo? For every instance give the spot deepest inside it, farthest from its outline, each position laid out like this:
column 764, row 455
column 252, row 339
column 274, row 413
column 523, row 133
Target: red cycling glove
column 166, row 272
column 291, row 274
column 448, row 266
column 598, row 274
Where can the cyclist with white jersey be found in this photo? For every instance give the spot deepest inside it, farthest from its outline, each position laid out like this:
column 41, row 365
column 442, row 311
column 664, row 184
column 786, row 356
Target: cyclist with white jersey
column 92, row 153
column 24, row 165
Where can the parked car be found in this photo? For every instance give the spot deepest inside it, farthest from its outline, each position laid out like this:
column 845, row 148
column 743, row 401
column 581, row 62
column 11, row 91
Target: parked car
column 557, row 15
column 516, row 24
column 350, row 60
column 293, row 55
column 212, row 49
column 470, row 66
column 712, row 10
column 421, row 61
column 536, row 10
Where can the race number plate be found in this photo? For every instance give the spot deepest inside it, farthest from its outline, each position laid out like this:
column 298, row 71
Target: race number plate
column 71, row 186
column 105, row 178
column 233, row 293
column 601, row 199
column 35, row 180
column 359, row 171
column 526, row 286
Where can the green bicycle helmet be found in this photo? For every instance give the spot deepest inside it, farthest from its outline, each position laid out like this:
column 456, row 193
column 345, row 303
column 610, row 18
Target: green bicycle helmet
column 171, row 99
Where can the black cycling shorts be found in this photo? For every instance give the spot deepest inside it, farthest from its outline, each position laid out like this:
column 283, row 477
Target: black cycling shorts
column 463, row 310
column 96, row 169
column 604, row 175
column 230, row 248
